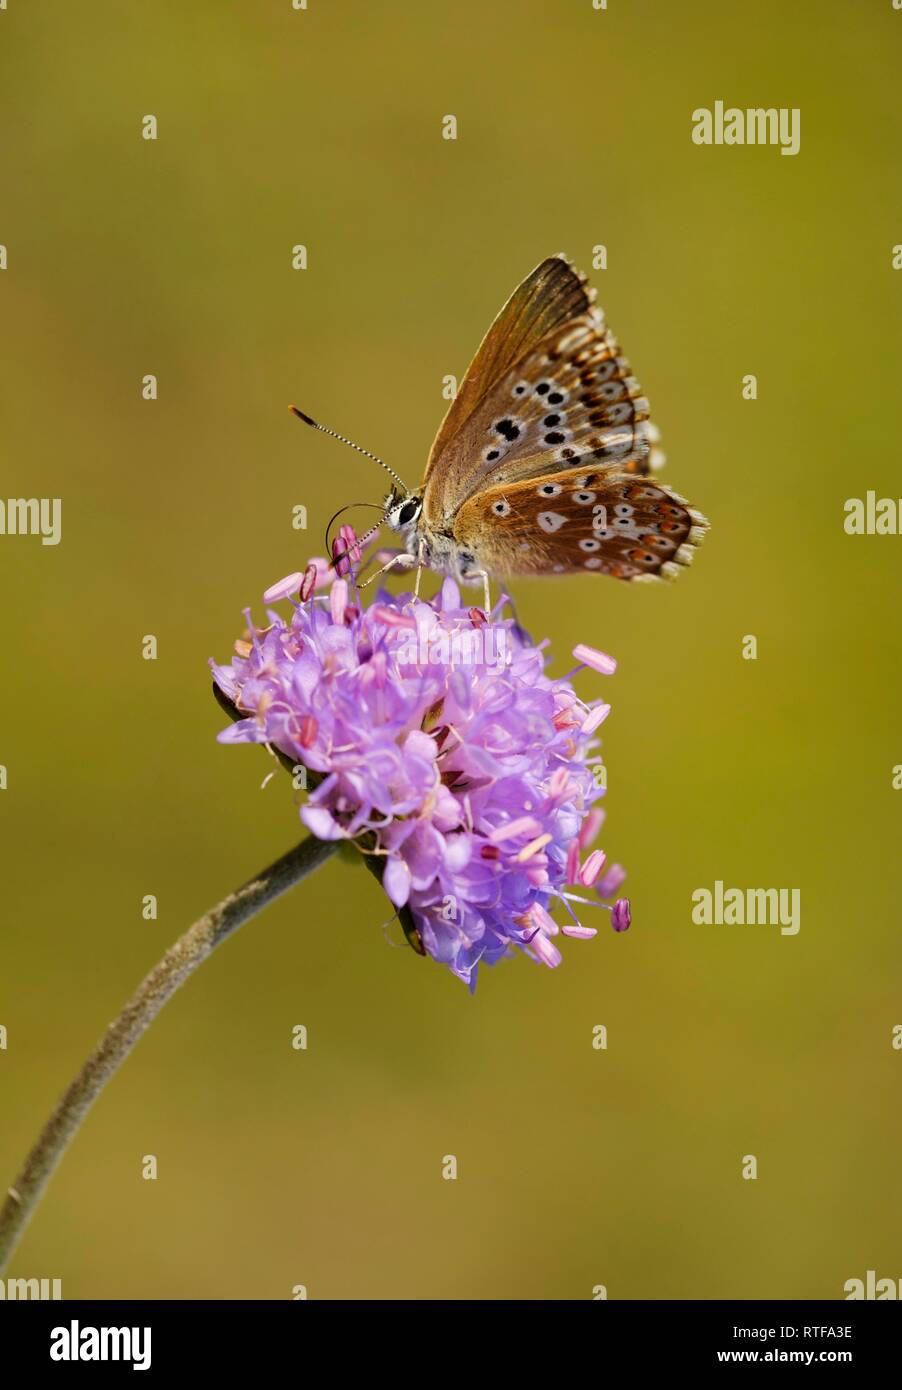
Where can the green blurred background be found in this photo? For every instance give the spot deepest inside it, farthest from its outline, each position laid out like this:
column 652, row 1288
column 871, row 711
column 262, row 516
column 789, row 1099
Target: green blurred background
column 126, row 257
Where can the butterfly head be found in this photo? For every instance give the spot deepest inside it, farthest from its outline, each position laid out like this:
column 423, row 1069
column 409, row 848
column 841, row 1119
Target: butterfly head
column 402, row 511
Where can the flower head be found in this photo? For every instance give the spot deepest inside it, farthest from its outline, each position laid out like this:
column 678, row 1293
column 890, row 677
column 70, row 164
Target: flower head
column 433, row 731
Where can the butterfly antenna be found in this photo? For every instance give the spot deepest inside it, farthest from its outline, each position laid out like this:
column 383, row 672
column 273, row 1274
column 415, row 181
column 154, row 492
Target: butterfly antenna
column 346, row 508
column 335, row 435
column 358, row 545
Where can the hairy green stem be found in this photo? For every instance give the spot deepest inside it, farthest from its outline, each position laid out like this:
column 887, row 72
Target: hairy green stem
column 180, row 961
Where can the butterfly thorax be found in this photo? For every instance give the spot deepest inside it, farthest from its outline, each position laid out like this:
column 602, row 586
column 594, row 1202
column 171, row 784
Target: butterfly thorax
column 434, row 547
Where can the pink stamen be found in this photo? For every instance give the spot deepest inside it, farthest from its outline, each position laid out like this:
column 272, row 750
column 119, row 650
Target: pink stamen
column 338, row 601
column 599, row 661
column 594, row 718
column 543, row 919
column 340, row 561
column 532, row 848
column 348, row 536
column 607, row 887
column 284, row 589
column 524, row 825
column 546, row 951
column 621, row 915
column 577, row 930
column 592, row 868
column 558, row 783
column 591, row 826
column 308, row 583
column 391, row 617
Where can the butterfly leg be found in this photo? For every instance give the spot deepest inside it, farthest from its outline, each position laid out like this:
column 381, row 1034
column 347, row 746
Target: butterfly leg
column 487, row 599
column 378, row 557
column 401, row 558
column 421, row 565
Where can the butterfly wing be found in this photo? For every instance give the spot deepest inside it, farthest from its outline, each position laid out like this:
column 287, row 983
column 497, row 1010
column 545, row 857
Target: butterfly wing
column 581, row 519
column 548, row 387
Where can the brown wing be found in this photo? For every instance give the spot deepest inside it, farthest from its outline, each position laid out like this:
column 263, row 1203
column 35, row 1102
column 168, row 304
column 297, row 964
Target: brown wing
column 582, row 519
column 548, row 385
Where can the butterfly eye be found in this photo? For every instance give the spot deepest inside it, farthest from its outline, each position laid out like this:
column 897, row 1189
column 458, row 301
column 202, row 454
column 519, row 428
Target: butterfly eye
column 408, row 513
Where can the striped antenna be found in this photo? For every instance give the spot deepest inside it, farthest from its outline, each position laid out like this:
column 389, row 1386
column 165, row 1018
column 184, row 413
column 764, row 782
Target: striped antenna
column 358, row 545
column 335, row 435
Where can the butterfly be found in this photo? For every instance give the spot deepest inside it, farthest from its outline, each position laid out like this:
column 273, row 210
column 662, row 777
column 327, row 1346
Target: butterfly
column 542, row 463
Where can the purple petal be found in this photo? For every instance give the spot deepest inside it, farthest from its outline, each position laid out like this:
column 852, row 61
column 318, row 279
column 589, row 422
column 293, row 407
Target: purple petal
column 396, row 881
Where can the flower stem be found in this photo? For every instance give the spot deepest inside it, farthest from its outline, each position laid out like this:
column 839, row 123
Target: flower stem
column 180, row 961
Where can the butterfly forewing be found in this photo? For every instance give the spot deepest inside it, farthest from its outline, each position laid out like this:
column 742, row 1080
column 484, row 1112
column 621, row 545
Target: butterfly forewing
column 541, row 400
column 580, row 520
column 553, row 295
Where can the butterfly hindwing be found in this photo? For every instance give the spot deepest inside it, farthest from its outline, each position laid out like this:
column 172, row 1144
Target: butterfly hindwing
column 580, row 520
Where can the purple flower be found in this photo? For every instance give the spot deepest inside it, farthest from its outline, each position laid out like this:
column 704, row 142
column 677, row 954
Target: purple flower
column 435, row 728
